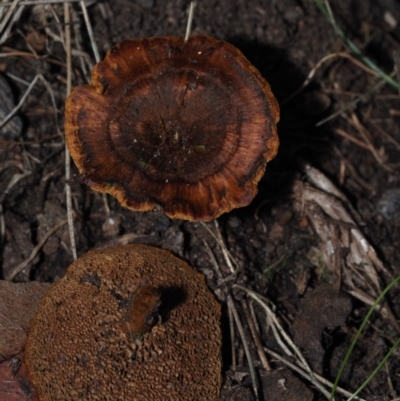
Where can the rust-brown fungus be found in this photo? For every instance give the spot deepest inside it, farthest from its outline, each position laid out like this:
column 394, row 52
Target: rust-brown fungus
column 79, row 347
column 188, row 126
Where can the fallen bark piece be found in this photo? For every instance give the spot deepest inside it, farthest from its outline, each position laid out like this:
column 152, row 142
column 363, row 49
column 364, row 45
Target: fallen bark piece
column 19, row 303
column 15, row 384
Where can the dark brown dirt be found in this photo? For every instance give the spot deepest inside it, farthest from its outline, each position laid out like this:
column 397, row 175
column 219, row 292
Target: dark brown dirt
column 274, row 244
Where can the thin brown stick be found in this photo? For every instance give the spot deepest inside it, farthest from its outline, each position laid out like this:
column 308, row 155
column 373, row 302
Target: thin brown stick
column 363, row 183
column 35, row 250
column 351, row 138
column 10, row 52
column 385, row 134
column 354, row 120
column 353, row 103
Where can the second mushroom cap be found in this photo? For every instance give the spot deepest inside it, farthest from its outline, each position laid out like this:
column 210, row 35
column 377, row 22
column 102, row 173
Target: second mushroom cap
column 131, row 322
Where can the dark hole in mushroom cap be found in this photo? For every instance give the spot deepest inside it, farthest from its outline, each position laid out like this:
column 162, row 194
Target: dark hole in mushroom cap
column 171, row 297
column 188, row 126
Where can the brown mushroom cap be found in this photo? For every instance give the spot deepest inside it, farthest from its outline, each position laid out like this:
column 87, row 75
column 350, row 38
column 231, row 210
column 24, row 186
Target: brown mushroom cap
column 188, row 126
column 79, row 346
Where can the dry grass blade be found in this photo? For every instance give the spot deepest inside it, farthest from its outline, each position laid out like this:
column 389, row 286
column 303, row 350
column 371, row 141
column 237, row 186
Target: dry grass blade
column 230, row 313
column 90, row 31
column 351, row 138
column 10, row 52
column 356, row 176
column 14, row 180
column 278, row 326
column 21, row 102
column 385, row 134
column 40, row 2
column 190, row 20
column 301, row 366
column 7, row 17
column 245, row 345
column 67, row 155
column 353, row 103
column 35, row 250
column 232, row 335
column 317, row 380
column 26, row 94
column 7, row 31
column 84, row 59
column 356, row 123
column 256, row 337
column 390, row 382
column 301, row 372
column 230, row 260
column 396, row 56
column 234, row 313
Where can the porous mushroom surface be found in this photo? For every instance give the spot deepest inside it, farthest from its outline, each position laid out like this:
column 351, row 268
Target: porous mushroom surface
column 81, row 344
column 184, row 125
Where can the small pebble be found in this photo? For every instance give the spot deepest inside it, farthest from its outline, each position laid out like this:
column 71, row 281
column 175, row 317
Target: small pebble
column 256, row 244
column 389, row 205
column 111, row 226
column 316, row 103
column 285, row 218
column 234, row 222
column 162, row 224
